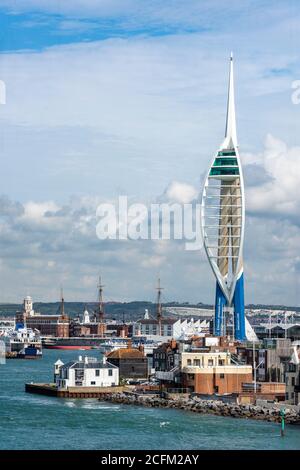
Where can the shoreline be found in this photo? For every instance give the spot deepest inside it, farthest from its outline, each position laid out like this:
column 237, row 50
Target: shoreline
column 197, row 405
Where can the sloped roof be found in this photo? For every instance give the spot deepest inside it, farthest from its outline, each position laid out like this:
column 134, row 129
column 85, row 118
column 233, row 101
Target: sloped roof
column 164, row 321
column 126, row 353
column 89, row 365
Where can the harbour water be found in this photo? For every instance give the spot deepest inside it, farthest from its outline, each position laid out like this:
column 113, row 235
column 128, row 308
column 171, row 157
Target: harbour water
column 37, row 422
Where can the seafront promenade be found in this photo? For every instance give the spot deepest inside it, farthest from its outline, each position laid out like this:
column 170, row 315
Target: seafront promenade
column 197, row 405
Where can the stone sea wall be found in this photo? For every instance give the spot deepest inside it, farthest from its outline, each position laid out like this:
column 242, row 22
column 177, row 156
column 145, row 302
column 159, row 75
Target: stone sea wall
column 197, row 405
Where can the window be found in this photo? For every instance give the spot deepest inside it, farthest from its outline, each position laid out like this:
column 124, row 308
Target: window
column 110, row 372
column 210, row 362
column 93, row 383
column 197, row 362
column 189, row 362
column 97, row 372
column 293, row 381
column 222, row 376
column 221, row 362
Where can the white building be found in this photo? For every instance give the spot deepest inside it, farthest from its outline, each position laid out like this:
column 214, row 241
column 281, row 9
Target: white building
column 169, row 327
column 28, row 306
column 86, row 372
column 86, row 317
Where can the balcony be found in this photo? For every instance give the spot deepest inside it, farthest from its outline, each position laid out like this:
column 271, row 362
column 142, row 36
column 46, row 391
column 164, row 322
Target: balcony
column 168, row 375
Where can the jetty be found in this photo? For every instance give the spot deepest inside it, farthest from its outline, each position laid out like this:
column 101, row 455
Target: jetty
column 51, row 389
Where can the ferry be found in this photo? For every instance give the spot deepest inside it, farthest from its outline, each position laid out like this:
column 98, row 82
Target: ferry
column 7, row 325
column 23, row 343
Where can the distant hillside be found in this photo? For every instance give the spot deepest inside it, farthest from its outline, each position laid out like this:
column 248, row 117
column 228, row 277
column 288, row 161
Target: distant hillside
column 116, row 310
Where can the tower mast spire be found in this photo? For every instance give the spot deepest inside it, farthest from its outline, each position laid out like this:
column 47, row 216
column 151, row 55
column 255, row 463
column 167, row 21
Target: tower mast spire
column 230, row 130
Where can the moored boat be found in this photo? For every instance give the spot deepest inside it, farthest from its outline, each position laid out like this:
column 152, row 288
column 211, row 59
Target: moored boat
column 23, row 343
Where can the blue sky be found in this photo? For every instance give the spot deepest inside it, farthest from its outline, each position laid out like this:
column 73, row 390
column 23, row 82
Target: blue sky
column 127, row 97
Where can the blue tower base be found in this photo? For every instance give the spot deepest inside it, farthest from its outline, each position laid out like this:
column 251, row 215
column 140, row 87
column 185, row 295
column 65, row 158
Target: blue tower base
column 238, row 310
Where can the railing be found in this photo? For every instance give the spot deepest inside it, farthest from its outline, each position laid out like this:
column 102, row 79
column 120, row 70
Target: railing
column 167, row 375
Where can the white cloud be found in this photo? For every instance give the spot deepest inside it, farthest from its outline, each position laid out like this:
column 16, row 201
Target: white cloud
column 181, row 192
column 279, row 195
column 129, row 116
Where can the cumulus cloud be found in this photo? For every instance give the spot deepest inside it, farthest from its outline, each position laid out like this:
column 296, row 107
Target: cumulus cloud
column 181, row 192
column 46, row 244
column 277, row 193
column 85, row 122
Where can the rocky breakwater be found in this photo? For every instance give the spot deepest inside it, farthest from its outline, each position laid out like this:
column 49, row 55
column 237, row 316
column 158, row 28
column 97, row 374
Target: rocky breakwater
column 197, row 405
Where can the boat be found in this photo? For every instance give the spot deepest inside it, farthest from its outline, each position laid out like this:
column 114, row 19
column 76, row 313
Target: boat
column 72, row 343
column 22, row 343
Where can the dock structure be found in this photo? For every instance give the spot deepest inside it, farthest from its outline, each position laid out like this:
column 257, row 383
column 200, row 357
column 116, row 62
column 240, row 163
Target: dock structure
column 50, row 389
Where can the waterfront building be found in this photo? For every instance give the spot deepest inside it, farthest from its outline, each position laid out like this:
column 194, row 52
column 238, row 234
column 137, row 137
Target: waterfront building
column 166, row 362
column 267, row 391
column 277, row 329
column 166, row 356
column 132, row 362
column 211, row 373
column 48, row 325
column 271, row 357
column 293, row 376
column 169, row 328
column 223, row 222
column 86, row 372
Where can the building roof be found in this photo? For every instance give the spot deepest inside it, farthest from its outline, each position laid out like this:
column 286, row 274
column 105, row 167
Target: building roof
column 153, row 321
column 169, row 346
column 89, row 365
column 126, row 353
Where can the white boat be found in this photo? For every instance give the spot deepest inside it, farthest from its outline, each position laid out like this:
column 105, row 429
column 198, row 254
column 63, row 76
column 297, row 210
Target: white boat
column 23, row 343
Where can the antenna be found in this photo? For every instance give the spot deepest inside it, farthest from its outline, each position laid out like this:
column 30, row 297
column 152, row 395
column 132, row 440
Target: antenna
column 230, row 131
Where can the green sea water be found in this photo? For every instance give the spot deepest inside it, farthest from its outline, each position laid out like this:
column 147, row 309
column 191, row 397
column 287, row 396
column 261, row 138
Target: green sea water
column 39, row 422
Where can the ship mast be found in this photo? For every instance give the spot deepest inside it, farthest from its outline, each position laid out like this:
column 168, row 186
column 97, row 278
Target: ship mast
column 62, row 303
column 158, row 306
column 100, row 301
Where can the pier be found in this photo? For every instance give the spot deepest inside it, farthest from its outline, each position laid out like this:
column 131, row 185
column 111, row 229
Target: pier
column 51, row 390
